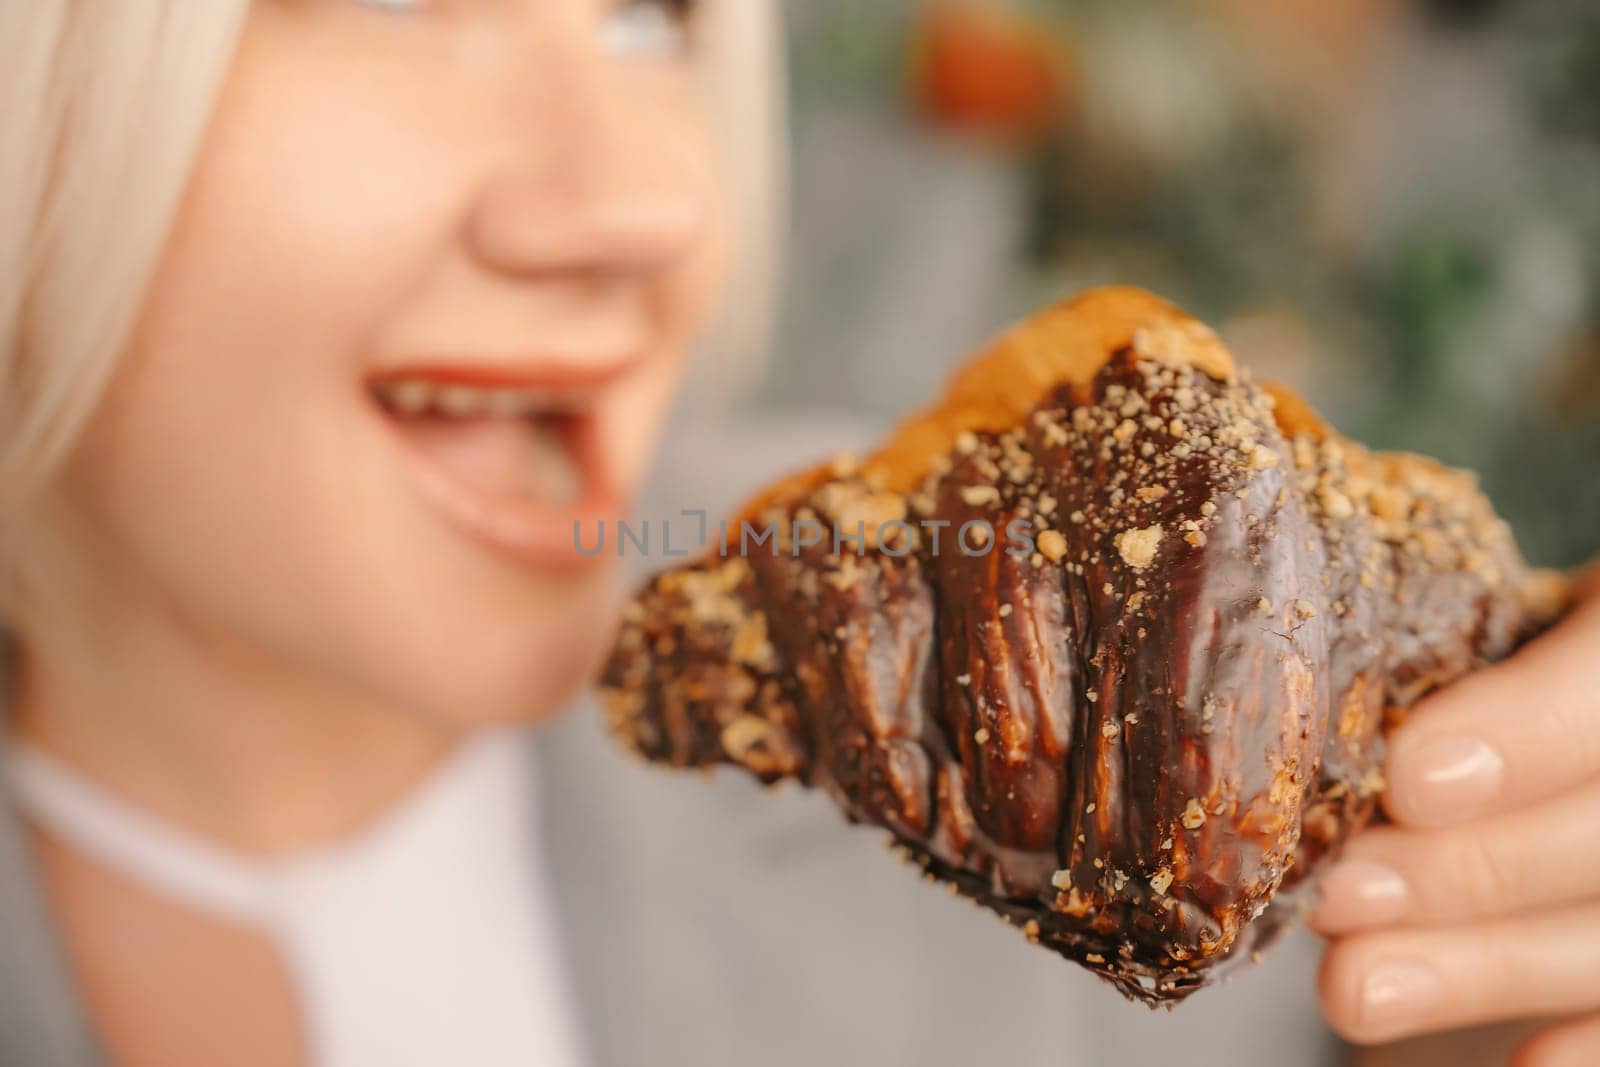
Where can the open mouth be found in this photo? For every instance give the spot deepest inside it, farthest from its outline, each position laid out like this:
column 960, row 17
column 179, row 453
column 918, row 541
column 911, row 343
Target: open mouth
column 514, row 464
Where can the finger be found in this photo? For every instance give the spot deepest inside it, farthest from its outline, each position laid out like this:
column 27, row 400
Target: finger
column 1505, row 736
column 1535, row 858
column 1586, row 580
column 1386, row 985
column 1573, row 1043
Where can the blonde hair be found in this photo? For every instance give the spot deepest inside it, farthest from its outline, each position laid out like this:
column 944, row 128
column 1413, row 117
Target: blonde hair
column 105, row 107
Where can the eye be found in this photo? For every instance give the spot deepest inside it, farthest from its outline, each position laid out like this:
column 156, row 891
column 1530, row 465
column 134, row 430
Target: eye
column 647, row 29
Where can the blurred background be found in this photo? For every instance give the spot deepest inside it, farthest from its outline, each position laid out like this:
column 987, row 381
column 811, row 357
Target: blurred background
column 1393, row 205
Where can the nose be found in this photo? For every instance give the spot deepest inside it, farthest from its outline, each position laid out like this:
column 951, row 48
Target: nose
column 522, row 227
column 593, row 185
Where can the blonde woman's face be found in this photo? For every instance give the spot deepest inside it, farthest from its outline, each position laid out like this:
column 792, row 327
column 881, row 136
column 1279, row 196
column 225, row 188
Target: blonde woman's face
column 429, row 296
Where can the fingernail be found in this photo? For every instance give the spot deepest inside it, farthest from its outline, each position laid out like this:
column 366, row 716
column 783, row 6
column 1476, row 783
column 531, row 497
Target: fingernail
column 1396, row 997
column 1447, row 780
column 1359, row 895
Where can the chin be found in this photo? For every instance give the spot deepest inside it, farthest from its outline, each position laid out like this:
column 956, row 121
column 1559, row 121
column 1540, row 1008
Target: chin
column 506, row 669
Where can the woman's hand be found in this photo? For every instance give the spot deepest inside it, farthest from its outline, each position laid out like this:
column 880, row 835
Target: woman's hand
column 1482, row 902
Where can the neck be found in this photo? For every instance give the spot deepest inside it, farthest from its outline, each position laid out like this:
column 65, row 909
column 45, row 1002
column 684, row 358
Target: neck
column 218, row 741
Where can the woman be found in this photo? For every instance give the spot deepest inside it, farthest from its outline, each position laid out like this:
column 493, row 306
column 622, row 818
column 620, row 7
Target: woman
column 296, row 591
column 322, row 321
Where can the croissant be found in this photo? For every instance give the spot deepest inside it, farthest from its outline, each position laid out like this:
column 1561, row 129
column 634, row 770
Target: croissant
column 1107, row 639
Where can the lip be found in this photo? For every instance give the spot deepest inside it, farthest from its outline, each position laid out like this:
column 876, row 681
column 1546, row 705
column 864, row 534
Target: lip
column 554, row 373
column 528, row 531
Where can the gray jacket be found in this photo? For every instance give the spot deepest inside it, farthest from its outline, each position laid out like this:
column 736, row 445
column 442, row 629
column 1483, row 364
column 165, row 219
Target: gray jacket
column 710, row 924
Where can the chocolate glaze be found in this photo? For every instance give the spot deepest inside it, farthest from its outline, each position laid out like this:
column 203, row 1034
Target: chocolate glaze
column 1127, row 741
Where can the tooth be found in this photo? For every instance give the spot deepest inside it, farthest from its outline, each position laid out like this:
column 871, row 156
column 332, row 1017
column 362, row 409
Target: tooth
column 460, row 400
column 552, row 473
column 504, row 402
column 408, row 397
column 579, row 400
column 535, row 401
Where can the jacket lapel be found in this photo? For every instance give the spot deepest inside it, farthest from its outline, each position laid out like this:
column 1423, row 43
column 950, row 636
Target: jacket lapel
column 41, row 1021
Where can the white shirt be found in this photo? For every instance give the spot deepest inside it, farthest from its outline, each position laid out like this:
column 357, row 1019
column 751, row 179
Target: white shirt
column 428, row 939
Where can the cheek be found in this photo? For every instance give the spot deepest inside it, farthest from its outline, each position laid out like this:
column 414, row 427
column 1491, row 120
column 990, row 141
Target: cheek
column 236, row 481
column 695, row 296
column 468, row 660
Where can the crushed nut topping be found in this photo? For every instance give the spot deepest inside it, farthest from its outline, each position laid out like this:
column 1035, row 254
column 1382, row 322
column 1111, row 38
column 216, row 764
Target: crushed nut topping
column 1138, row 547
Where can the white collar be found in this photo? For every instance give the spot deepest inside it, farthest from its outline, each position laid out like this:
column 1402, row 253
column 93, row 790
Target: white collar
column 424, row 939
